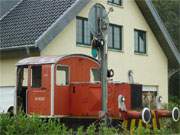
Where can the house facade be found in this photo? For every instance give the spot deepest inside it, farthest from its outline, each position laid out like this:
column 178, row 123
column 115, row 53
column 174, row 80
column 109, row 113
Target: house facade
column 133, row 43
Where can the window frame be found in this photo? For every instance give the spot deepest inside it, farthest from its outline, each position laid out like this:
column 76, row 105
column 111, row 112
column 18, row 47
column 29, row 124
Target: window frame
column 91, row 69
column 83, row 19
column 31, row 79
column 150, row 92
column 114, row 3
column 68, row 75
column 113, row 38
column 120, row 27
column 138, row 51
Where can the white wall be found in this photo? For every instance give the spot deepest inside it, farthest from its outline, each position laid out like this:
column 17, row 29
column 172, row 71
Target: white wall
column 150, row 69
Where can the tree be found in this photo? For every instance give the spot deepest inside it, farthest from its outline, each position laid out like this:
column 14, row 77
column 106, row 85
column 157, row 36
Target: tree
column 169, row 11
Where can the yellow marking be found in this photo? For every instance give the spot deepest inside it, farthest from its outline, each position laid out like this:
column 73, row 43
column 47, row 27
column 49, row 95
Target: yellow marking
column 154, row 121
column 125, row 124
column 140, row 127
column 132, row 127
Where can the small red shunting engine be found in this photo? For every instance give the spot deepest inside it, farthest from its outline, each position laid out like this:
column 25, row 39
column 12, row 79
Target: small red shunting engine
column 69, row 87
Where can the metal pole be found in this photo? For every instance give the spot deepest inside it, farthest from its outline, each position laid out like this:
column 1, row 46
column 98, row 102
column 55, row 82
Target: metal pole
column 104, row 79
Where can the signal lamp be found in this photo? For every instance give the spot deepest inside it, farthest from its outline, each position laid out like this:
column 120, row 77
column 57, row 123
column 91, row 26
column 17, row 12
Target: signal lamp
column 160, row 99
column 123, row 99
column 110, row 73
column 96, row 44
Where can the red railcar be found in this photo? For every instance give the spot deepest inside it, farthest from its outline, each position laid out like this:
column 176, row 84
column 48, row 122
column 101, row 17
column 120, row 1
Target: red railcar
column 69, row 86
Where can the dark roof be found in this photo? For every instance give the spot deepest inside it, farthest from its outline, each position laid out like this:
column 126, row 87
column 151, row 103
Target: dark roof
column 6, row 6
column 29, row 20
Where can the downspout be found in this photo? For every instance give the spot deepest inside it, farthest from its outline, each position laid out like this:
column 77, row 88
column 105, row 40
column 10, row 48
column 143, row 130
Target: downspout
column 28, row 51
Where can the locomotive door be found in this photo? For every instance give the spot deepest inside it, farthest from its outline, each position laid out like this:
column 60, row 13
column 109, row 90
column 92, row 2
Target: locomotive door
column 39, row 90
column 22, row 83
column 61, row 92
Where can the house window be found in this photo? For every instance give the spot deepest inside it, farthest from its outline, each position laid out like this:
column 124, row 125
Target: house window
column 36, row 73
column 115, row 37
column 83, row 35
column 117, row 2
column 62, row 75
column 140, row 41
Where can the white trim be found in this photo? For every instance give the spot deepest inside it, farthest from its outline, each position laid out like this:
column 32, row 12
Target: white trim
column 13, row 7
column 150, row 88
column 17, row 47
column 173, row 111
column 68, row 74
column 52, row 89
column 15, row 99
column 143, row 113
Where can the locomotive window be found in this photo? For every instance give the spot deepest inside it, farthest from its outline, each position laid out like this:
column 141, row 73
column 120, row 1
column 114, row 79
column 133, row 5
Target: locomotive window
column 149, row 96
column 36, row 76
column 25, row 77
column 62, row 75
column 95, row 75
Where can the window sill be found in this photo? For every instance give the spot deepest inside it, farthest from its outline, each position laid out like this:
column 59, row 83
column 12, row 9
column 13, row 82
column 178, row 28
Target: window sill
column 115, row 5
column 141, row 54
column 116, row 50
column 88, row 46
column 83, row 45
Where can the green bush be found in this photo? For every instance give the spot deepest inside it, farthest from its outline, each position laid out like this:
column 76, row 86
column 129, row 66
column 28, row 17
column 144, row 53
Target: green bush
column 22, row 124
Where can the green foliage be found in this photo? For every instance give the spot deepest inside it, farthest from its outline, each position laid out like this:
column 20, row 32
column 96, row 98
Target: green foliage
column 91, row 130
column 25, row 125
column 169, row 11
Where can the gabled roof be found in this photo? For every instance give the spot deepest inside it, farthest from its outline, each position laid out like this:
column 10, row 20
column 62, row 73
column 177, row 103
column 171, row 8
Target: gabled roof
column 36, row 23
column 28, row 21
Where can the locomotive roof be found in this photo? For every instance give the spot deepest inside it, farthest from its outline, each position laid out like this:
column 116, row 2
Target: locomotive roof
column 48, row 59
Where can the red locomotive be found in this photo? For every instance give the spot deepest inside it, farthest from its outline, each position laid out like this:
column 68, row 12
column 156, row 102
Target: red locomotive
column 69, row 87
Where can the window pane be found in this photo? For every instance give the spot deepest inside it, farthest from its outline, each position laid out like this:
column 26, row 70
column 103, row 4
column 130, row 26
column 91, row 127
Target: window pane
column 62, row 75
column 117, row 38
column 110, row 1
column 136, row 41
column 141, row 45
column 117, row 2
column 36, row 76
column 95, row 75
column 140, row 41
column 25, row 77
column 79, row 36
column 110, row 38
column 87, row 36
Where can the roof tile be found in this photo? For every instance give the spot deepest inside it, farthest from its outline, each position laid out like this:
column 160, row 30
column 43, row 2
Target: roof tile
column 29, row 20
